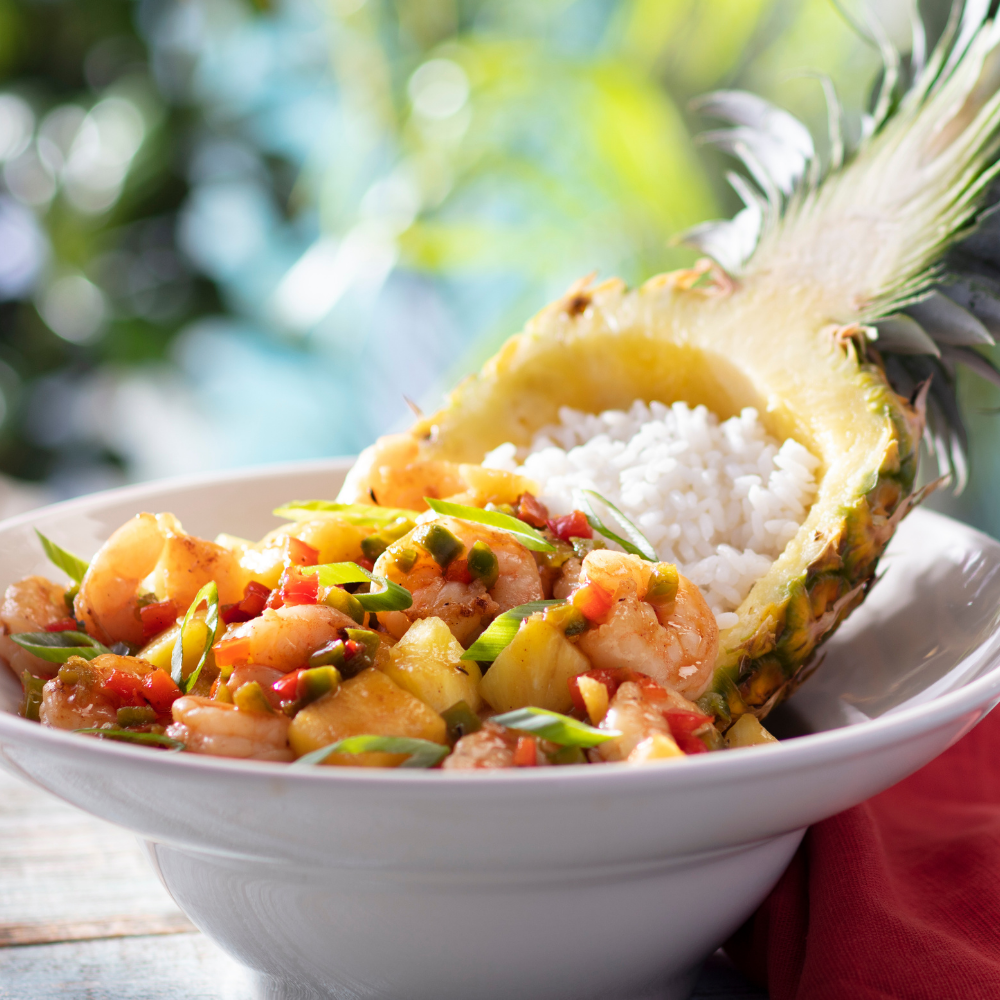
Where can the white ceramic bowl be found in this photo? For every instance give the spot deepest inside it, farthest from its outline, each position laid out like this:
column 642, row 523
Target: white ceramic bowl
column 576, row 882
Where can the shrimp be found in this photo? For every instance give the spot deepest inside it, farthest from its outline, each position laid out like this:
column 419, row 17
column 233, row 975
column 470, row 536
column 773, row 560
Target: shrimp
column 391, row 473
column 489, row 748
column 264, row 676
column 466, row 607
column 151, row 554
column 28, row 606
column 676, row 644
column 77, row 697
column 213, row 727
column 284, row 638
column 636, row 710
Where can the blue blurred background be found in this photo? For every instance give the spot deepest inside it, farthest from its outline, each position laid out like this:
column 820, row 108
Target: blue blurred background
column 242, row 231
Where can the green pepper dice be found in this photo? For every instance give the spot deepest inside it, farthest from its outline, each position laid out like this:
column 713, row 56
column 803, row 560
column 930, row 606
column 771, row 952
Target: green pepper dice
column 316, row 682
column 662, row 585
column 348, row 604
column 460, row 720
column 405, row 559
column 397, row 529
column 483, row 564
column 373, row 546
column 130, row 715
column 567, row 618
column 333, row 654
column 250, row 697
column 439, row 542
column 369, row 641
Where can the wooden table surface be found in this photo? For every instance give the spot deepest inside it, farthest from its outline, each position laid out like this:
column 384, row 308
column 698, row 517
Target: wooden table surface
column 83, row 917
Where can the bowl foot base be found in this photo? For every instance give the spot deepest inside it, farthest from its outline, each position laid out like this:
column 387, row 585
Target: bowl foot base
column 270, row 988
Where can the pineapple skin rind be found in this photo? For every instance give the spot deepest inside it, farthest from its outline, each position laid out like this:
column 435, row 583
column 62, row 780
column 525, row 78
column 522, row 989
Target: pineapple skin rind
column 604, row 347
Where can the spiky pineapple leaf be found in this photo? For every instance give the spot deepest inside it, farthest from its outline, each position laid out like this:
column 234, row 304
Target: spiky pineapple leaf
column 914, row 205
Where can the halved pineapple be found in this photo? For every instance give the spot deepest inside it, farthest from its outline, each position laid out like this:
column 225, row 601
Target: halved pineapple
column 813, row 268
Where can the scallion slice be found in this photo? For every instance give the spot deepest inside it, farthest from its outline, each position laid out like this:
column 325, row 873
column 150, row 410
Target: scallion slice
column 555, row 728
column 58, row 647
column 209, row 595
column 353, row 513
column 636, row 543
column 73, row 566
column 423, row 753
column 528, row 536
column 127, row 736
column 502, row 630
column 392, row 598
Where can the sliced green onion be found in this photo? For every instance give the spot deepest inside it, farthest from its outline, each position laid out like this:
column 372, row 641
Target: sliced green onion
column 127, row 736
column 393, row 598
column 73, row 566
column 33, row 690
column 502, row 630
column 422, row 753
column 58, row 647
column 354, row 513
column 636, row 543
column 209, row 594
column 555, row 728
column 525, row 533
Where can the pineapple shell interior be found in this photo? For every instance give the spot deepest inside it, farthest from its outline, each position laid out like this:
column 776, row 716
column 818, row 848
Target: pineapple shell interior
column 725, row 347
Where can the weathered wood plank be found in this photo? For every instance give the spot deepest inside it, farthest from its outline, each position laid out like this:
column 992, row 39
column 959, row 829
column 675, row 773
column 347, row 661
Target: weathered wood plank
column 180, row 967
column 138, row 925
column 59, row 864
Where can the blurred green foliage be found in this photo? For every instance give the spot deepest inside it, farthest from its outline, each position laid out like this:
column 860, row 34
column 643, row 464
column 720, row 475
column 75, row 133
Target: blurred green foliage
column 242, row 230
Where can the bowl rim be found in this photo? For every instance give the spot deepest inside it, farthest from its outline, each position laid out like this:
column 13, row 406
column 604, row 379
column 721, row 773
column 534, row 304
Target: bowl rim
column 857, row 739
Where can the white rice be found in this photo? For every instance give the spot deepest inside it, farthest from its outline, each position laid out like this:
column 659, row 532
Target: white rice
column 721, row 500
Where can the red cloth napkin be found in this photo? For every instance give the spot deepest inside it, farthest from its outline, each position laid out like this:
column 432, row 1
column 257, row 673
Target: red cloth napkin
column 897, row 898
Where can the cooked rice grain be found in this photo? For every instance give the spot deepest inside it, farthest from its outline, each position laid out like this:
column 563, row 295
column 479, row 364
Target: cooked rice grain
column 719, row 499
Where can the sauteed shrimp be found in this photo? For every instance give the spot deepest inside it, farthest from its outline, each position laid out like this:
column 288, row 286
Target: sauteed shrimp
column 464, row 573
column 265, row 652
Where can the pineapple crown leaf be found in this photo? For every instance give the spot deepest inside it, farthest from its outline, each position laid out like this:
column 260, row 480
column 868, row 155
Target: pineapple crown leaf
column 915, row 201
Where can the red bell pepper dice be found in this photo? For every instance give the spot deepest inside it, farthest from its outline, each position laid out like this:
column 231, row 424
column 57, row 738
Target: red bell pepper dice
column 160, row 690
column 298, row 588
column 458, row 571
column 156, row 617
column 63, row 625
column 124, row 687
column 569, row 526
column 532, row 511
column 298, row 553
column 611, row 677
column 593, row 601
column 526, row 752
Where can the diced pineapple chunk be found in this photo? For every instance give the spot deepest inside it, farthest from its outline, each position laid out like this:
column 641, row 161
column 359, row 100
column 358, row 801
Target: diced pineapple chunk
column 747, row 731
column 534, row 670
column 370, row 703
column 595, row 698
column 493, row 485
column 659, row 746
column 332, row 537
column 428, row 663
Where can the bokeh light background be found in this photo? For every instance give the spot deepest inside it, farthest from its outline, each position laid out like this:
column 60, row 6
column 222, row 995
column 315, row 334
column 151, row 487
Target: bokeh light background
column 243, row 231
